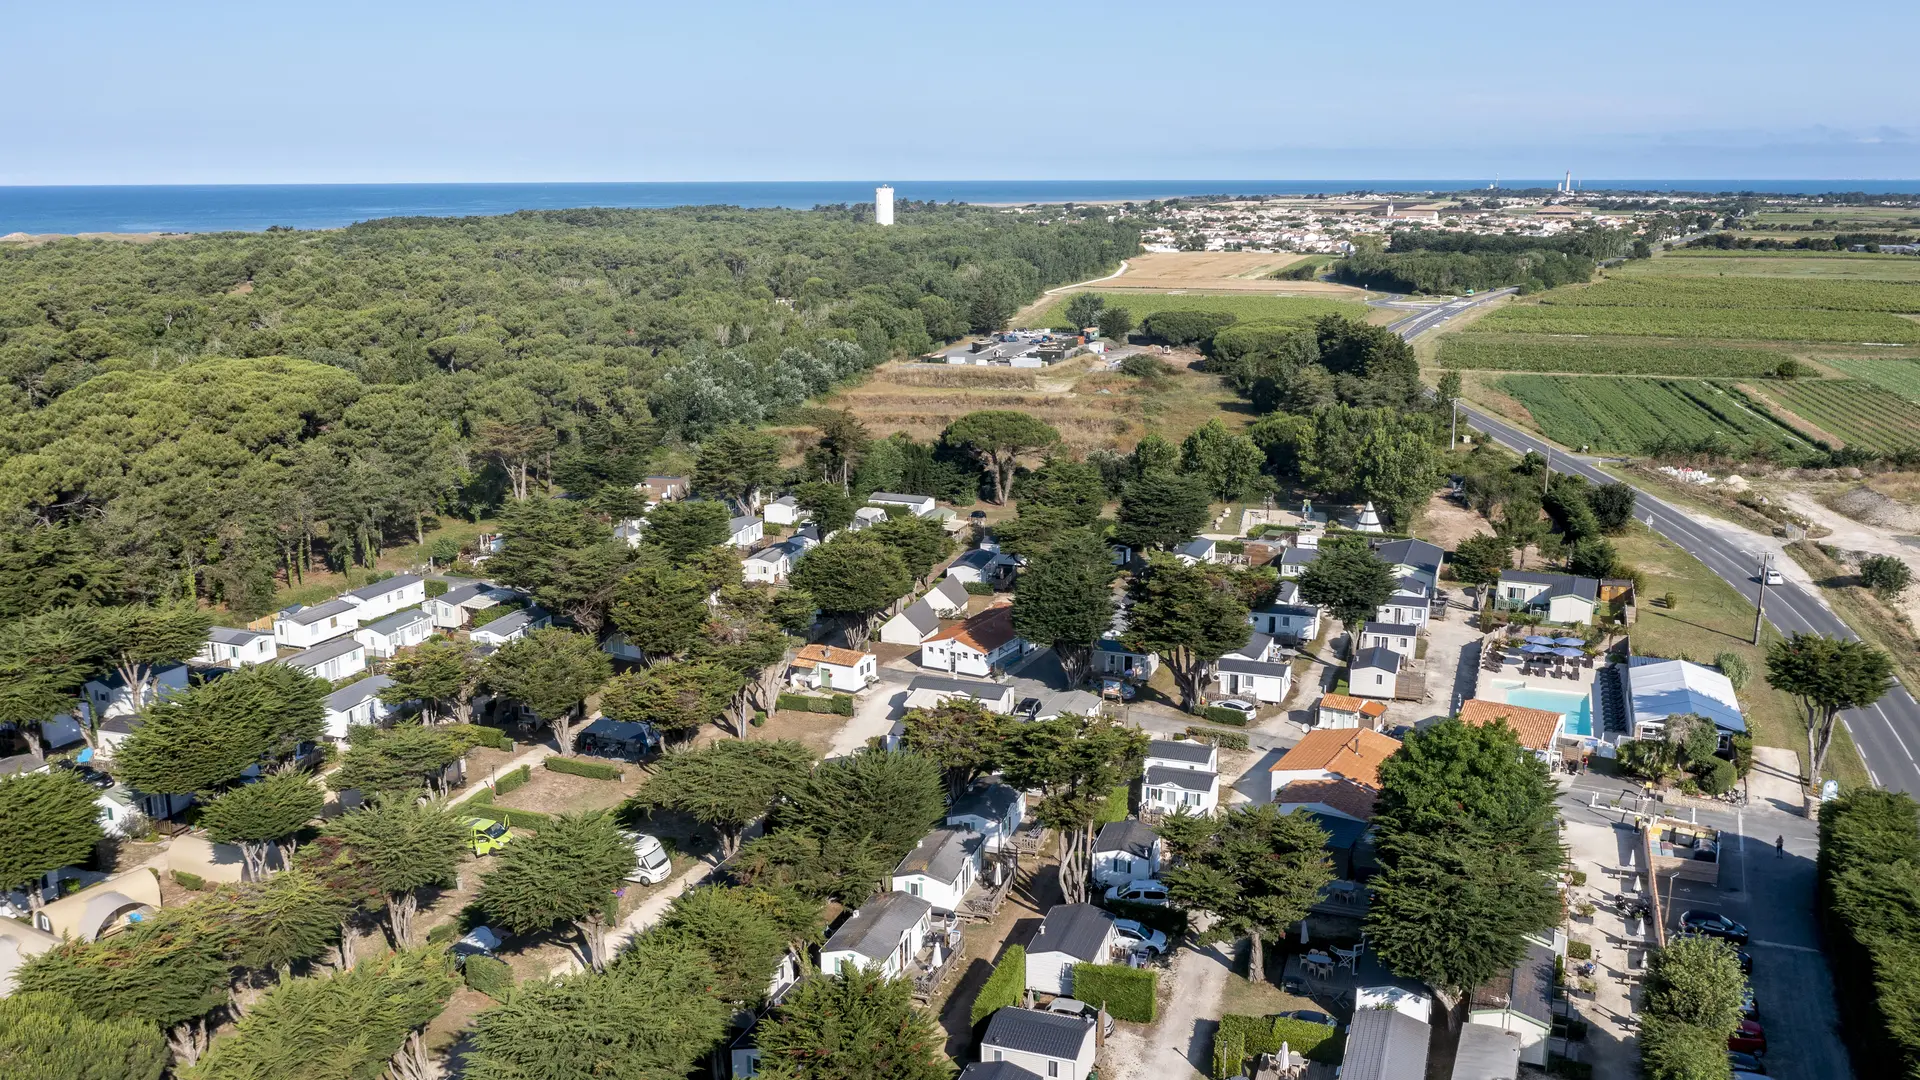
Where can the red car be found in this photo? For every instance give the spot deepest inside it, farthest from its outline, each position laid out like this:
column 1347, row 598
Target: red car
column 1748, row 1038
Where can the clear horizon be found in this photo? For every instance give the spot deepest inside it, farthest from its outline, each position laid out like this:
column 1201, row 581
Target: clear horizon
column 590, row 91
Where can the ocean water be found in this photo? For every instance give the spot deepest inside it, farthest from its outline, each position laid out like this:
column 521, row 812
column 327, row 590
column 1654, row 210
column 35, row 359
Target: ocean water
column 251, row 207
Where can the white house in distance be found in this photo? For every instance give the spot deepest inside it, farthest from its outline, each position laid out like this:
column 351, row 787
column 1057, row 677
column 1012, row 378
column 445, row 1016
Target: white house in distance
column 331, row 660
column 1045, row 1044
column 236, row 648
column 993, row 810
column 784, row 510
column 1375, row 673
column 1197, row 550
column 883, row 935
column 357, row 704
column 1181, row 777
column 1658, row 689
column 933, row 691
column 510, row 627
column 387, row 637
column 916, row 623
column 1288, row 617
column 631, row 531
column 1070, row 934
column 823, row 667
column 1126, row 851
column 745, row 531
column 383, row 598
column 303, row 628
column 1559, row 598
column 453, row 609
column 941, row 868
column 1259, row 670
column 979, row 566
column 917, row 505
column 974, row 646
column 1400, row 639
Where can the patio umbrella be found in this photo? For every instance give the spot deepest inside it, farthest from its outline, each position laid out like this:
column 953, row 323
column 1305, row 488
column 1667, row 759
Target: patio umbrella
column 1535, row 650
column 1574, row 641
column 1538, row 639
column 1571, row 654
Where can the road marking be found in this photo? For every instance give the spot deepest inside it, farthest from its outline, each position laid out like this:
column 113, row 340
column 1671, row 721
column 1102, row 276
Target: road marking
column 1740, row 823
column 1784, row 945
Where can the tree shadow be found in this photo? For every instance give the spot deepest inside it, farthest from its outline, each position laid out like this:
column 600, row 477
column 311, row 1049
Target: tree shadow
column 1698, row 626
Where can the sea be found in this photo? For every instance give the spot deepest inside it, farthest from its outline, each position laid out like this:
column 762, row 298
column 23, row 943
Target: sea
column 199, row 208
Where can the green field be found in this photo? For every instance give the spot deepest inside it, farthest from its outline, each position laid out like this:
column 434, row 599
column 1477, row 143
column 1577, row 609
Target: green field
column 1653, row 356
column 1762, row 293
column 1837, row 266
column 1627, row 415
column 1242, row 306
column 1730, row 324
column 1859, row 413
column 1900, row 376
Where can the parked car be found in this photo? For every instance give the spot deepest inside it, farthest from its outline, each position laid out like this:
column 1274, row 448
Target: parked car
column 1311, row 1017
column 1144, row 891
column 487, row 835
column 87, row 774
column 651, row 865
column 1748, row 1038
column 1139, row 938
column 1713, row 924
column 1245, row 708
column 1749, row 1005
column 479, row 941
column 1745, row 1063
column 1066, row 1006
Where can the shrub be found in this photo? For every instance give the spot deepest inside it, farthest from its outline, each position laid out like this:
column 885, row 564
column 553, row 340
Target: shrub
column 1004, row 986
column 1225, row 740
column 592, row 770
column 187, row 880
column 1229, row 1049
column 1217, row 715
column 979, row 588
column 443, row 933
column 491, row 976
column 1578, row 877
column 1733, row 667
column 838, row 704
column 1241, row 1037
column 1742, row 753
column 1869, row 846
column 1579, row 950
column 480, row 735
column 482, row 805
column 1127, row 993
column 513, row 781
column 1719, row 777
column 436, row 587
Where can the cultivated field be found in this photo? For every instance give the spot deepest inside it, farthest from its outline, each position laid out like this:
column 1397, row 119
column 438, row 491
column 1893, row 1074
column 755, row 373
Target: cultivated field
column 1843, row 266
column 1853, row 412
column 1725, row 324
column 1749, row 293
column 1199, row 269
column 1246, row 307
column 1628, row 415
column 1624, row 356
column 1900, row 376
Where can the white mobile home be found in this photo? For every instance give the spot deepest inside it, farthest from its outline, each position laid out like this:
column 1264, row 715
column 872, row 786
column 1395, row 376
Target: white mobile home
column 510, row 627
column 993, row 810
column 1070, row 934
column 357, row 704
column 1046, row 1044
column 941, row 868
column 395, row 632
column 236, row 648
column 383, row 598
column 885, row 935
column 916, row 623
column 333, row 660
column 303, row 628
column 1126, row 851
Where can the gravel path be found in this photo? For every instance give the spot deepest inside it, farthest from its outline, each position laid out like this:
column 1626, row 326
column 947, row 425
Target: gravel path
column 1179, row 1046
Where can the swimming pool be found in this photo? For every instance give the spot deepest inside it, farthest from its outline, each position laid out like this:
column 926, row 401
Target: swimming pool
column 1578, row 710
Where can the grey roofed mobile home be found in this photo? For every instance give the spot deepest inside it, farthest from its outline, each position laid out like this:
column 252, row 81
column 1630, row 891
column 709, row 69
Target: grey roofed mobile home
column 1384, row 659
column 347, row 697
column 1252, row 667
column 1385, row 1044
column 323, row 652
column 1198, row 753
column 1079, row 930
column 955, row 592
column 227, row 635
column 922, row 616
column 1585, row 588
column 744, row 521
column 996, row 1070
column 383, row 587
column 973, row 688
column 874, row 930
column 395, row 622
column 508, row 623
column 940, row 854
column 1486, row 1053
column 1031, row 1031
column 1131, row 835
column 308, row 616
column 1190, row 779
column 990, row 802
column 1298, row 556
column 977, row 559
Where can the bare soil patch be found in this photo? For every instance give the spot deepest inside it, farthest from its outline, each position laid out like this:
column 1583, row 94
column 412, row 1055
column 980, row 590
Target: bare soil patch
column 1446, row 522
column 815, row 731
column 550, row 792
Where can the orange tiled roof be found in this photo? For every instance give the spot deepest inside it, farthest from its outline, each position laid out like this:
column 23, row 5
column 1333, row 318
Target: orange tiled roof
column 1351, row 799
column 1355, row 753
column 1348, row 703
column 826, row 654
column 984, row 632
column 1534, row 726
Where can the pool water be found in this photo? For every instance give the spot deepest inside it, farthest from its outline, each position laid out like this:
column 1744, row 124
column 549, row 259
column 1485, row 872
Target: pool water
column 1578, row 710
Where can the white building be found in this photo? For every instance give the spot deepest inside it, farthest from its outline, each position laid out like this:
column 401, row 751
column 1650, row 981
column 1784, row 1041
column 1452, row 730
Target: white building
column 1560, row 598
column 784, row 510
column 454, row 608
column 236, row 648
column 993, row 810
column 1112, row 659
column 387, row 637
column 885, row 935
column 1180, row 777
column 357, row 704
column 1046, row 1044
column 914, row 624
column 773, row 564
column 1288, row 617
column 1401, row 639
column 1375, row 673
column 941, row 868
column 947, row 599
column 1126, row 851
column 510, row 627
column 980, row 566
column 1197, row 550
column 383, row 598
column 933, row 691
column 745, row 531
column 303, row 628
column 1260, row 670
column 109, row 696
column 334, row 660
column 917, row 505
column 823, row 667
column 883, row 205
column 1658, row 689
column 1070, row 934
column 975, row 646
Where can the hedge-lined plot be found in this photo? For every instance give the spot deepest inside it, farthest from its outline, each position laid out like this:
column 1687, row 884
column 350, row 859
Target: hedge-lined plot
column 1732, row 324
column 1627, row 415
column 1763, row 293
column 1517, row 352
column 1862, row 414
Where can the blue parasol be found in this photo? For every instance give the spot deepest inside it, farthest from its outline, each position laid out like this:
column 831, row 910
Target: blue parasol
column 1539, row 639
column 1535, row 650
column 1574, row 641
column 1571, row 654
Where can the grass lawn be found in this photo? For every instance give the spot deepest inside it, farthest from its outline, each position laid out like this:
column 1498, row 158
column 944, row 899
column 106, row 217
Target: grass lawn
column 1709, row 618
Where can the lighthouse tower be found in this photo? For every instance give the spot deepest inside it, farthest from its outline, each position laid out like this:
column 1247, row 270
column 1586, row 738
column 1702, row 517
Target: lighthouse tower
column 883, row 205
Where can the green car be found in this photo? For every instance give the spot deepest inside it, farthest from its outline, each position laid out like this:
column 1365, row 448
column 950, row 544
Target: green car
column 488, row 836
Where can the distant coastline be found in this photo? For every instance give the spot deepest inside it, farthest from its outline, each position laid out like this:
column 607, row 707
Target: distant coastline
column 145, row 210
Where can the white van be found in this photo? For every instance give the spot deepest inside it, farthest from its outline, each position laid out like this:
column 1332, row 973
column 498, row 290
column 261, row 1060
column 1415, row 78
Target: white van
column 651, row 865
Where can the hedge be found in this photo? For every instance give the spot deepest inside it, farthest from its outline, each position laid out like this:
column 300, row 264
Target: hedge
column 490, row 975
column 592, row 770
column 1869, row 851
column 187, row 880
column 1230, row 717
column 482, row 804
column 1126, row 992
column 1240, row 1037
column 513, row 781
column 979, row 588
column 1225, row 740
column 1165, row 918
column 443, row 933
column 480, row 735
column 1004, row 986
column 837, row 704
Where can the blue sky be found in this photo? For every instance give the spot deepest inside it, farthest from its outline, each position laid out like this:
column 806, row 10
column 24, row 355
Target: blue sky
column 348, row 91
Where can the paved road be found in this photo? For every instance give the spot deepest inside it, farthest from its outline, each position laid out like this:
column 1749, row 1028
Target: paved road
column 1886, row 733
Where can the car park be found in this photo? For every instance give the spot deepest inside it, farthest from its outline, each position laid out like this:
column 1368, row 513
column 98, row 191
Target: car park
column 1746, row 1063
column 1713, row 924
column 1138, row 938
column 1145, row 891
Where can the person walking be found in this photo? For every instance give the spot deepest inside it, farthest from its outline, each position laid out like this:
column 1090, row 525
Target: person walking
column 1780, row 847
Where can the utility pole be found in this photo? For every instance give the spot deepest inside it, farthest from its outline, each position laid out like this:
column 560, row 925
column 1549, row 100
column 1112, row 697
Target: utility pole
column 1546, row 474
column 1453, row 436
column 1760, row 600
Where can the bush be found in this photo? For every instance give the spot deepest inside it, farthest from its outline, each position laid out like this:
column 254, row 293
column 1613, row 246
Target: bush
column 1127, row 993
column 592, row 770
column 1229, row 1049
column 1225, row 740
column 1230, row 717
column 836, row 705
column 1004, row 986
column 1578, row 877
column 513, row 781
column 1241, row 1037
column 1183, row 327
column 480, row 735
column 1869, row 847
column 979, row 588
column 482, row 804
column 491, row 976
column 1742, row 754
column 443, row 933
column 1719, row 777
column 187, row 880
column 1579, row 950
column 1733, row 667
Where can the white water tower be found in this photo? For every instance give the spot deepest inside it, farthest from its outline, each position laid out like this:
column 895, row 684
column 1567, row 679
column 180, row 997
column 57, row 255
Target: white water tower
column 883, row 204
